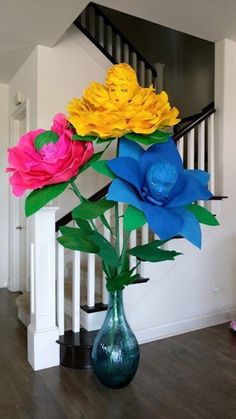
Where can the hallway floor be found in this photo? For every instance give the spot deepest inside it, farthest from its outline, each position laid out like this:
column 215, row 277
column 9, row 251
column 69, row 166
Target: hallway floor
column 192, row 376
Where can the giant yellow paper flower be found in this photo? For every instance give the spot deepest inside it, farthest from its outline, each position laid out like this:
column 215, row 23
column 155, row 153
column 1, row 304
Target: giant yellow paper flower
column 120, row 106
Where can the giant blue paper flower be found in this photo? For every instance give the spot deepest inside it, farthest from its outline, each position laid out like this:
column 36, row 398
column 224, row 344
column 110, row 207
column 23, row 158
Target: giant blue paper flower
column 155, row 182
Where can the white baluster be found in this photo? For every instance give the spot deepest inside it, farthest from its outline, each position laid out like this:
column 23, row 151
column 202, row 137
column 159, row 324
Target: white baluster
column 107, row 236
column 83, row 18
column 92, row 21
column 211, row 153
column 201, row 150
column 144, row 237
column 132, row 243
column 101, row 31
column 109, row 40
column 118, row 48
column 180, row 147
column 60, row 289
column 91, row 280
column 159, row 80
column 76, row 293
column 148, row 77
column 43, row 351
column 142, row 73
column 126, row 53
column 190, row 148
column 144, row 240
column 201, row 146
column 120, row 212
column 134, row 61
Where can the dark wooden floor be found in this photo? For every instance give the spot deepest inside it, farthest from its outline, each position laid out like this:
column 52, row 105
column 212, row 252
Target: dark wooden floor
column 184, row 377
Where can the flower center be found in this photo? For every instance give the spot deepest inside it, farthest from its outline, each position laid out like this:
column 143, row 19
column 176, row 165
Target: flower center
column 48, row 152
column 120, row 95
column 160, row 179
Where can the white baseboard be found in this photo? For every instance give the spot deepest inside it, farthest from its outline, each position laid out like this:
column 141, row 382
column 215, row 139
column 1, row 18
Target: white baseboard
column 189, row 325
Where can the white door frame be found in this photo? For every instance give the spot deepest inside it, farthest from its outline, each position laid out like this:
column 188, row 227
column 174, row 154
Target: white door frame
column 21, row 112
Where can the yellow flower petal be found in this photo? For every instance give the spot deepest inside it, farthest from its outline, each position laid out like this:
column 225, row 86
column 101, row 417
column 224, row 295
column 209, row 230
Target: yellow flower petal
column 120, row 106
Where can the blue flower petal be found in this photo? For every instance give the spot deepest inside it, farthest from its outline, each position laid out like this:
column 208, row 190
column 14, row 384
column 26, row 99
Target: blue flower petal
column 121, row 191
column 127, row 169
column 165, row 223
column 187, row 190
column 129, row 148
column 158, row 152
column 200, row 175
column 191, row 229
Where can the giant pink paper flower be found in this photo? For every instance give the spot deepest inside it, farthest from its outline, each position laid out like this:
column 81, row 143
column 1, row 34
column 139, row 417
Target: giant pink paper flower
column 55, row 162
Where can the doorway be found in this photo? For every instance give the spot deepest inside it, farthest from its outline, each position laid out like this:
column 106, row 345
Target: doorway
column 18, row 252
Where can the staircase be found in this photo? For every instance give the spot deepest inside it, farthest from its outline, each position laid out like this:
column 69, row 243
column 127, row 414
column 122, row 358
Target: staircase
column 114, row 45
column 68, row 298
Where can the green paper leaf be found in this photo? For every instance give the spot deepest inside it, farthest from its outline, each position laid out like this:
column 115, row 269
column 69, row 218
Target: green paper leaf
column 106, row 251
column 203, row 215
column 154, row 138
column 45, row 137
column 77, row 137
column 89, row 210
column 40, row 197
column 84, row 225
column 93, row 159
column 119, row 282
column 112, row 270
column 103, row 140
column 101, row 167
column 105, row 223
column 150, row 252
column 76, row 239
column 133, row 219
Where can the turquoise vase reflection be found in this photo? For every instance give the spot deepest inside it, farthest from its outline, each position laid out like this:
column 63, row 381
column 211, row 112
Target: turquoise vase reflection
column 115, row 354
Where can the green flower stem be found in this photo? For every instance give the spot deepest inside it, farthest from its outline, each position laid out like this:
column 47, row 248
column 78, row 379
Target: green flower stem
column 117, row 229
column 117, row 226
column 123, row 253
column 76, row 191
column 82, row 199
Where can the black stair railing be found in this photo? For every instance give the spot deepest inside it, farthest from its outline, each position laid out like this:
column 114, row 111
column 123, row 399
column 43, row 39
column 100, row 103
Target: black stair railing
column 113, row 44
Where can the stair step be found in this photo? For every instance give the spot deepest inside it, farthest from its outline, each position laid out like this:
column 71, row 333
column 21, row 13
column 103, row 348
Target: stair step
column 76, row 348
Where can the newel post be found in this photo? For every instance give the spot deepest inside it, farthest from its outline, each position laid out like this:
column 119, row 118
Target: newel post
column 43, row 351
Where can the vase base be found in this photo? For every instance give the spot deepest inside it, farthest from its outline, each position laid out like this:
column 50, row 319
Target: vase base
column 115, row 386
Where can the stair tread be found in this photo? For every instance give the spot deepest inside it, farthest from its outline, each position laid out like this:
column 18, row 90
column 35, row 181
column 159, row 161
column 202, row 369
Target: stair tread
column 79, row 339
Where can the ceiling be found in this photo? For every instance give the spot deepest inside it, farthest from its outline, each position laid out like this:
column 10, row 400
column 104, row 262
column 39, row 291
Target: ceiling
column 26, row 23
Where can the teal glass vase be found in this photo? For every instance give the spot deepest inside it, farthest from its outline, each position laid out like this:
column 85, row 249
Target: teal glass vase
column 115, row 353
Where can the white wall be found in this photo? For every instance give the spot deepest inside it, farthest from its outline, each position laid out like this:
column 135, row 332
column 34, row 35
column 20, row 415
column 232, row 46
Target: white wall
column 4, row 196
column 25, row 81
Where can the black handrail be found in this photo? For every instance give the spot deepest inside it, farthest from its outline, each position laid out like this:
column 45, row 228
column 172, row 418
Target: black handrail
column 102, row 192
column 196, row 115
column 117, row 32
column 123, row 37
column 193, row 124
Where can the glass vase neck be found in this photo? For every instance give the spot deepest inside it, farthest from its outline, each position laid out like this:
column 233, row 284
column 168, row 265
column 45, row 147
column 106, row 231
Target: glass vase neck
column 115, row 304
